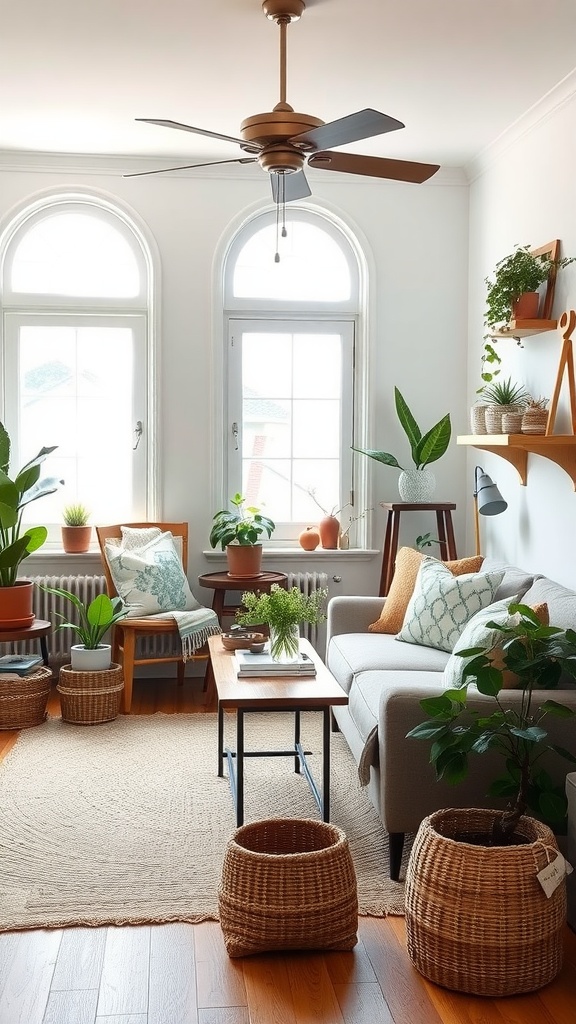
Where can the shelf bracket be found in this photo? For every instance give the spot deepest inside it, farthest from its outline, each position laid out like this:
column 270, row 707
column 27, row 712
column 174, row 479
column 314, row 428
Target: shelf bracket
column 518, row 457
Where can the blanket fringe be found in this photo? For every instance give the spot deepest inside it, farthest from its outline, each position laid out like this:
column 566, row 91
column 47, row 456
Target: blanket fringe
column 196, row 640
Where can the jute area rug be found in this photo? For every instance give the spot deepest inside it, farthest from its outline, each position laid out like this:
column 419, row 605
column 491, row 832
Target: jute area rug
column 127, row 822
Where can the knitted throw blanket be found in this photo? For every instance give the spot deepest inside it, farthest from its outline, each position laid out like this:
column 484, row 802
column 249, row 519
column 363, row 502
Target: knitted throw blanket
column 195, row 627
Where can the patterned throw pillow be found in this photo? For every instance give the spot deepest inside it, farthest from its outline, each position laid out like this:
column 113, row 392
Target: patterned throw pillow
column 150, row 579
column 442, row 604
column 406, row 566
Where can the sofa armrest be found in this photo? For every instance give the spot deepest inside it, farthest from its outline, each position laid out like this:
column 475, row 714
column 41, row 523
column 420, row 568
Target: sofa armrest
column 352, row 614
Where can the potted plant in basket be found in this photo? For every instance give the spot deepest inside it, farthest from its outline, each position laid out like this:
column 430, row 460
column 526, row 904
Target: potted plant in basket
column 418, row 484
column 504, row 397
column 16, row 542
column 283, row 611
column 76, row 532
column 503, row 928
column 238, row 530
column 93, row 622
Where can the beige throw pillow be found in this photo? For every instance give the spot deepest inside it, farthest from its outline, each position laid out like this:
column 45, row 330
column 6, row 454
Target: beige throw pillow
column 407, row 564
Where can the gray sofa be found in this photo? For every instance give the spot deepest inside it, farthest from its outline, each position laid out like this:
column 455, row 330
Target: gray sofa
column 386, row 679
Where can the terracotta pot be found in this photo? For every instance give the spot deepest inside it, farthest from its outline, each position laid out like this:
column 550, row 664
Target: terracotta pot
column 526, row 306
column 309, row 539
column 244, row 560
column 16, row 611
column 76, row 539
column 329, row 528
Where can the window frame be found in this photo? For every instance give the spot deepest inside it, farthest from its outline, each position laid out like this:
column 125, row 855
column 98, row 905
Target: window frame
column 139, row 311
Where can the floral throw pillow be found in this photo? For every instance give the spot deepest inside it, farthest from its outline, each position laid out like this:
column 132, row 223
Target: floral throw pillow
column 442, row 604
column 150, row 578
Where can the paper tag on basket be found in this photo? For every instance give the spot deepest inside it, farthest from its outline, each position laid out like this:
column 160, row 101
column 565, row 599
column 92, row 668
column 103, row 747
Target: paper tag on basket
column 551, row 876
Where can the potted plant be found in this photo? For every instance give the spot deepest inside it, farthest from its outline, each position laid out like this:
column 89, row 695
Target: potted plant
column 503, row 397
column 238, row 530
column 76, row 532
column 93, row 622
column 502, row 933
column 16, row 542
column 283, row 611
column 415, row 485
column 535, row 416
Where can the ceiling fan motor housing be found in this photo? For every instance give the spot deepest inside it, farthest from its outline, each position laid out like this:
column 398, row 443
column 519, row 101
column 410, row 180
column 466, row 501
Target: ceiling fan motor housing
column 288, row 10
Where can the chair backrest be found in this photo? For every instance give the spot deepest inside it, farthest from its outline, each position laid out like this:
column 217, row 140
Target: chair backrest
column 114, row 532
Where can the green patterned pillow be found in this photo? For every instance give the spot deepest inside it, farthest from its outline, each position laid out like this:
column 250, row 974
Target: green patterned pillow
column 442, row 604
column 477, row 634
column 150, row 579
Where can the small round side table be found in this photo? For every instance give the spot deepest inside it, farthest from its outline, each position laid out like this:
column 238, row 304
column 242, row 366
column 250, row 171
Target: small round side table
column 39, row 630
column 221, row 582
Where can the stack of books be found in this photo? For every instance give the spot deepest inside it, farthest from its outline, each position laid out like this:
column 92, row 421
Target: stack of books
column 248, row 664
column 21, row 664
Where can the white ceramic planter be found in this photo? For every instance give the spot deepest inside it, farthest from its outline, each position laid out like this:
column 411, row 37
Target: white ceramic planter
column 84, row 660
column 416, row 485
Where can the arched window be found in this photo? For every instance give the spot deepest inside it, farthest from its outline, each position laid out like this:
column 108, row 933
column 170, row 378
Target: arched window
column 291, row 332
column 75, row 316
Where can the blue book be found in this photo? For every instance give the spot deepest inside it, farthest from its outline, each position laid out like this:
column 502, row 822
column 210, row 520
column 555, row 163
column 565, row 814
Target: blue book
column 22, row 664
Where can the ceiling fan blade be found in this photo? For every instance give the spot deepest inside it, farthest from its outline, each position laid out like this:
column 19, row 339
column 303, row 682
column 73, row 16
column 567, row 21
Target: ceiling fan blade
column 295, row 187
column 187, row 167
column 352, row 128
column 253, row 147
column 375, row 166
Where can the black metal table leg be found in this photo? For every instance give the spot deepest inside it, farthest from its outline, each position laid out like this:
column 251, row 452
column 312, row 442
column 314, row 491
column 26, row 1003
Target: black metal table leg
column 297, row 742
column 326, row 764
column 220, row 741
column 239, row 767
column 44, row 650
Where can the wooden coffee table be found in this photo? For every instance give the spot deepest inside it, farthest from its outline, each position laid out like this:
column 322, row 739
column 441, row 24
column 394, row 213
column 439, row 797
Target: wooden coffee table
column 278, row 693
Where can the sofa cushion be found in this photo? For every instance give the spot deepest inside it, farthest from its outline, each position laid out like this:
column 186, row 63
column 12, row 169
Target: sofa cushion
column 561, row 601
column 442, row 604
column 515, row 582
column 351, row 653
column 406, row 566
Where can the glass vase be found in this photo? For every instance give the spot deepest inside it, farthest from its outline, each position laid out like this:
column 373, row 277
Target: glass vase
column 285, row 643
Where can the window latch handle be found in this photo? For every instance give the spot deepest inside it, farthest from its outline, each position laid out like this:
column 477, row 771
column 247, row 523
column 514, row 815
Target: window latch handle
column 235, row 436
column 138, row 430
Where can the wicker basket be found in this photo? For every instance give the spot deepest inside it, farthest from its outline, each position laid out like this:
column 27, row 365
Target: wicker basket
column 288, row 883
column 477, row 919
column 87, row 698
column 23, row 699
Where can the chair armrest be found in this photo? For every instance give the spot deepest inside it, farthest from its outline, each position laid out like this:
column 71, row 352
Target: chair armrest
column 352, row 614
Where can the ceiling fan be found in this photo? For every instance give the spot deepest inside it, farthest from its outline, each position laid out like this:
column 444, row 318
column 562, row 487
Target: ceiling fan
column 283, row 141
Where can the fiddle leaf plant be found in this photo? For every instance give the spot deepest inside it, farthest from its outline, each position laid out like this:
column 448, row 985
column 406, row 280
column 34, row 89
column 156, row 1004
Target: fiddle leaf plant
column 16, row 543
column 424, row 448
column 538, row 655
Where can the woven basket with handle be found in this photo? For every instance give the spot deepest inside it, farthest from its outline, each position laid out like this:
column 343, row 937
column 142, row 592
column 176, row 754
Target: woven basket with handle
column 288, row 883
column 477, row 918
column 87, row 698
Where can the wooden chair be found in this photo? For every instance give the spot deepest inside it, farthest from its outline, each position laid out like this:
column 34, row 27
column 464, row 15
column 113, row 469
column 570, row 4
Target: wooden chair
column 126, row 632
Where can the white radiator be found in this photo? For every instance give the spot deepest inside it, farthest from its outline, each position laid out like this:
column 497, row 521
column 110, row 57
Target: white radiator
column 60, row 641
column 307, row 582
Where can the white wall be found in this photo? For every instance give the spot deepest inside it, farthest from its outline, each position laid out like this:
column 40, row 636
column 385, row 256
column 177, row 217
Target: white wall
column 417, row 242
column 524, row 193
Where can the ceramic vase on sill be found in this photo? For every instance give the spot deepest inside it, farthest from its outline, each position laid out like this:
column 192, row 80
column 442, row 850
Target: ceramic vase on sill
column 285, row 643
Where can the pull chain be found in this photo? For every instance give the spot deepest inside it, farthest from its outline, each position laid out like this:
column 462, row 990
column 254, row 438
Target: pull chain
column 280, row 214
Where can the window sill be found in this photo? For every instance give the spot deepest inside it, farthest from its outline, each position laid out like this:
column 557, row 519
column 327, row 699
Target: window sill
column 298, row 554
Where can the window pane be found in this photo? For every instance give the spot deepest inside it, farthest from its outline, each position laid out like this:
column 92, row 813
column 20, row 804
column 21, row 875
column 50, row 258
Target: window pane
column 312, row 266
column 76, row 392
column 71, row 253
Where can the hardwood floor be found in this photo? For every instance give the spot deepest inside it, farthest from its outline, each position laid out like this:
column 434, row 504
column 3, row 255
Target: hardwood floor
column 181, row 974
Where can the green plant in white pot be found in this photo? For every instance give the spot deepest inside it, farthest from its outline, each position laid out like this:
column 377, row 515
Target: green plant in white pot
column 93, row 620
column 16, row 540
column 415, row 485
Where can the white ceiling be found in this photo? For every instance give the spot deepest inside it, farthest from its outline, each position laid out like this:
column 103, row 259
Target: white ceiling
column 74, row 75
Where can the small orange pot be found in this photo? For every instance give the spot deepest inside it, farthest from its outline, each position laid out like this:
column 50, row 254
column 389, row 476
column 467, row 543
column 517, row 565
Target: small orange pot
column 76, row 539
column 329, row 528
column 16, row 602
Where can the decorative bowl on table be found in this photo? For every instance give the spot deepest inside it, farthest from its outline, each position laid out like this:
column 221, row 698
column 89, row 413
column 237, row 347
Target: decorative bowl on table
column 241, row 641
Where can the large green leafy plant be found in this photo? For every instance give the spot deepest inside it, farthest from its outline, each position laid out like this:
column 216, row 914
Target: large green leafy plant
column 244, row 524
column 519, row 272
column 424, row 448
column 538, row 655
column 16, row 543
column 94, row 619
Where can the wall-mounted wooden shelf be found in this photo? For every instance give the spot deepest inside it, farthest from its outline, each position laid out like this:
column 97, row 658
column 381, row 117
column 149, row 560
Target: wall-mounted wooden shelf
column 559, row 448
column 524, row 328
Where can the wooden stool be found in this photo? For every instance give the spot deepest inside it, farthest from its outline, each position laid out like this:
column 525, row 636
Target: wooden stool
column 443, row 526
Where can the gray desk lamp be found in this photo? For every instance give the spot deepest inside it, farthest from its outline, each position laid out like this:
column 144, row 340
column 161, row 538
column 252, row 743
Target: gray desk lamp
column 487, row 500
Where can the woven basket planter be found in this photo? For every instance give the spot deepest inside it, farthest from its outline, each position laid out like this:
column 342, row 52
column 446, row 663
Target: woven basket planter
column 494, row 414
column 88, row 698
column 288, row 883
column 23, row 699
column 477, row 918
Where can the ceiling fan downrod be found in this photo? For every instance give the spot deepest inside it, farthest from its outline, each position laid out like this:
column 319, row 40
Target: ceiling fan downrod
column 283, row 12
